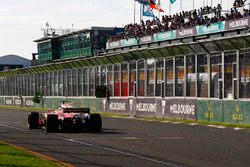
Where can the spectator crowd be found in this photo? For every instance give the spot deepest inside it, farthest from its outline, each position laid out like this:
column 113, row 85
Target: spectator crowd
column 184, row 19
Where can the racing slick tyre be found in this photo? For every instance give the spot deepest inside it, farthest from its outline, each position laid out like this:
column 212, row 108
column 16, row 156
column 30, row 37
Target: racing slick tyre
column 51, row 123
column 33, row 119
column 94, row 123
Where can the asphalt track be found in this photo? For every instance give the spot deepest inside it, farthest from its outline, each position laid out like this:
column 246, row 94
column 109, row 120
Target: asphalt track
column 133, row 142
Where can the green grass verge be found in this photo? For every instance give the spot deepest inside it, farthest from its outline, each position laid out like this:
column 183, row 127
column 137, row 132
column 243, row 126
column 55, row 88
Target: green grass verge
column 150, row 118
column 12, row 156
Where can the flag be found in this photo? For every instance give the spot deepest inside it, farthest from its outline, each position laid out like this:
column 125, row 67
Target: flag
column 154, row 6
column 147, row 11
column 159, row 6
column 141, row 1
column 172, row 1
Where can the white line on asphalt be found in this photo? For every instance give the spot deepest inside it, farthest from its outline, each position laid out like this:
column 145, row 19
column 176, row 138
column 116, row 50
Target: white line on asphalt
column 238, row 128
column 176, row 122
column 166, row 121
column 216, row 126
column 120, row 152
column 104, row 148
column 13, row 127
column 192, row 124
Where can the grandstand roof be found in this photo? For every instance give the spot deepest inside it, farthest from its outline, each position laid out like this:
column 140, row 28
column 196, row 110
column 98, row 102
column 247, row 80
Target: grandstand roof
column 203, row 46
column 71, row 33
column 14, row 60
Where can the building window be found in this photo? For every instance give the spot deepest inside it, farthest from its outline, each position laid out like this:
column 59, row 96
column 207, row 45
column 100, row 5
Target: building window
column 85, row 75
column 229, row 62
column 124, row 79
column 80, row 81
column 159, row 88
column 150, row 77
column 98, row 75
column 70, row 83
column 65, row 82
column 103, row 75
column 60, row 83
column 132, row 79
column 48, row 84
column 117, row 80
column 244, row 74
column 141, row 77
column 191, row 76
column 110, row 80
column 179, row 76
column 216, row 74
column 202, row 76
column 91, row 81
column 74, row 82
column 169, row 77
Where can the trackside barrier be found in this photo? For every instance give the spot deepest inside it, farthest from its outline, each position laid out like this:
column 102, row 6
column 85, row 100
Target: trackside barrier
column 177, row 108
column 116, row 105
column 1, row 100
column 243, row 113
column 231, row 115
column 215, row 111
column 229, row 111
column 203, row 110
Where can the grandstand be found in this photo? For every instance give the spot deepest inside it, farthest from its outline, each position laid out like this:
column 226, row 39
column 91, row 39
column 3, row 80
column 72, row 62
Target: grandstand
column 198, row 72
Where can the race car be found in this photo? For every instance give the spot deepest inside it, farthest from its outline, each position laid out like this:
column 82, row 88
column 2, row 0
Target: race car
column 66, row 117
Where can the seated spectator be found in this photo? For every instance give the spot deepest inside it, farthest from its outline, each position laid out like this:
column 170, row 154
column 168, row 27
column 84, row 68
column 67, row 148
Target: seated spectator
column 185, row 19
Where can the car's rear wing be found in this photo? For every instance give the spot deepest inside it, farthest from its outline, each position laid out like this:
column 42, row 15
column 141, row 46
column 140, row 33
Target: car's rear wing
column 76, row 110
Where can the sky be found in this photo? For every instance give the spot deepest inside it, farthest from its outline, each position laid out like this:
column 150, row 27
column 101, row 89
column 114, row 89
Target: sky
column 21, row 21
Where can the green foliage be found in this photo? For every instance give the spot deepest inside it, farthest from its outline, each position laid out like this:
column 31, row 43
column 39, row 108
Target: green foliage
column 11, row 156
column 37, row 97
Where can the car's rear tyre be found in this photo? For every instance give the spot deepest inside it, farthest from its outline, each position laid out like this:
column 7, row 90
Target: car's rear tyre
column 94, row 123
column 51, row 123
column 33, row 118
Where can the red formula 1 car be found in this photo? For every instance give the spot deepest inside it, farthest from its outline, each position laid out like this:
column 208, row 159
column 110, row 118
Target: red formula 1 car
column 65, row 117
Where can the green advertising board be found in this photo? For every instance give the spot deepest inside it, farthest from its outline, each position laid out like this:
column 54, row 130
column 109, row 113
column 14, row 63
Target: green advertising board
column 128, row 42
column 161, row 36
column 212, row 28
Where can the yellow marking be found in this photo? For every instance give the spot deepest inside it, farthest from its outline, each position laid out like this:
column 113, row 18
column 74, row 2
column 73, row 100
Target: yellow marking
column 58, row 162
column 237, row 108
column 237, row 117
column 209, row 115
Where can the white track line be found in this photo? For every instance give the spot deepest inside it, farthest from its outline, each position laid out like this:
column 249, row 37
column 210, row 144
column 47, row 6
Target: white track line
column 13, row 127
column 120, row 152
column 217, row 126
column 193, row 124
column 104, row 148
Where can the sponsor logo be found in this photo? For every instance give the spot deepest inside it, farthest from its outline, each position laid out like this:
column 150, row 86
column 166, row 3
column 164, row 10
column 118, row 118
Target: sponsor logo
column 114, row 44
column 146, row 39
column 131, row 104
column 146, row 107
column 104, row 104
column 185, row 32
column 182, row 109
column 163, row 104
column 8, row 101
column 117, row 106
column 18, row 102
column 164, row 36
column 238, row 23
column 128, row 42
column 211, row 28
column 29, row 103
